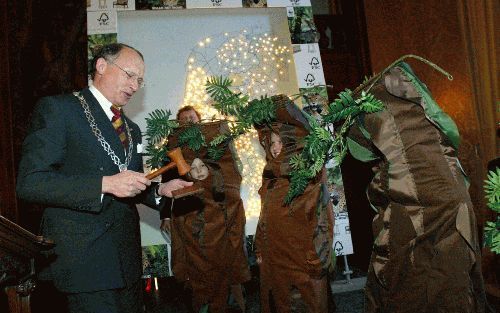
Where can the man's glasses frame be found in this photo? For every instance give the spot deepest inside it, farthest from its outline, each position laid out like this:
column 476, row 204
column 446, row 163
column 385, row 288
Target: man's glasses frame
column 140, row 81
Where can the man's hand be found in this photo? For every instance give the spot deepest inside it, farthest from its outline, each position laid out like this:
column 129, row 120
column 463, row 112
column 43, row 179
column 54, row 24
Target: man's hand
column 165, row 225
column 125, row 184
column 166, row 189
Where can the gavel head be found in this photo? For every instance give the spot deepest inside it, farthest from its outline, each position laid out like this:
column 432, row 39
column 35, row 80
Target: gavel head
column 176, row 156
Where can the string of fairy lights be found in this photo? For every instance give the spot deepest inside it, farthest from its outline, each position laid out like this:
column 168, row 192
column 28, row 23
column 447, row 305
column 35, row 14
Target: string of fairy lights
column 255, row 62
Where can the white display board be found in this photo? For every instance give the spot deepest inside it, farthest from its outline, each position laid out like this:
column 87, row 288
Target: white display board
column 308, row 65
column 288, row 3
column 342, row 241
column 213, row 4
column 101, row 22
column 99, row 5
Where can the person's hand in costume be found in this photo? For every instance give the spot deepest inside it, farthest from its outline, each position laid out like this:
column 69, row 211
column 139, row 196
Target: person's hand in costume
column 165, row 225
column 165, row 189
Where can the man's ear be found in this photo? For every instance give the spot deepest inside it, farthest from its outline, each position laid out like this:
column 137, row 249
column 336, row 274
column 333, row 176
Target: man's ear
column 100, row 66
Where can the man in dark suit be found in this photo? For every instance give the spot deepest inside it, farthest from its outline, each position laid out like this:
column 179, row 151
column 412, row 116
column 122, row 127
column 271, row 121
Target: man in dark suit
column 81, row 159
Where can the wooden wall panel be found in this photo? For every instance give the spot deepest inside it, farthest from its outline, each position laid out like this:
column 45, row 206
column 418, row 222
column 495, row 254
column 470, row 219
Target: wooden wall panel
column 480, row 20
column 43, row 52
column 432, row 30
column 8, row 204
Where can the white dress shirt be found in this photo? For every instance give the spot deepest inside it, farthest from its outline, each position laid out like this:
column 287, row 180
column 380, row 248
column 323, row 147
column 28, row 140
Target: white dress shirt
column 106, row 106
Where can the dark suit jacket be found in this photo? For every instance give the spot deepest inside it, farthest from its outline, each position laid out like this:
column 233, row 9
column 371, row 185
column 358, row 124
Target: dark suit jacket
column 97, row 242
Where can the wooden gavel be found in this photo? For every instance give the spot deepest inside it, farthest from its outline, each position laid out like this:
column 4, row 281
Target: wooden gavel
column 177, row 161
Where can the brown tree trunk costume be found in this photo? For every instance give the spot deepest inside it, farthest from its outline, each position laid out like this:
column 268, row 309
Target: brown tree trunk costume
column 294, row 241
column 426, row 256
column 208, row 229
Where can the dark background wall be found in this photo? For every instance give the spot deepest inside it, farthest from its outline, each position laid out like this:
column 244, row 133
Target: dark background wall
column 43, row 51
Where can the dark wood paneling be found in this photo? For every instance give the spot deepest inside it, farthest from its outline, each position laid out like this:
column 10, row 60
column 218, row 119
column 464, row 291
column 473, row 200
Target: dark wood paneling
column 8, row 204
column 343, row 45
column 43, row 52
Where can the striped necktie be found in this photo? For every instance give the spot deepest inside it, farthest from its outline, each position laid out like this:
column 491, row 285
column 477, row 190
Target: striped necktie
column 118, row 124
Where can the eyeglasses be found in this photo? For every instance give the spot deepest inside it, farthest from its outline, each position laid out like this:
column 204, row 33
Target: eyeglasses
column 139, row 80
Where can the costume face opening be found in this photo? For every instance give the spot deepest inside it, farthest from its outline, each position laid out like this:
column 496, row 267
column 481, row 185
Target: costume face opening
column 188, row 117
column 276, row 145
column 199, row 170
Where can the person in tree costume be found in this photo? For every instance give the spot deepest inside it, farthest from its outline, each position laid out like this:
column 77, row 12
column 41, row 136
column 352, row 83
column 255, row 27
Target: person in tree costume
column 426, row 254
column 293, row 241
column 208, row 228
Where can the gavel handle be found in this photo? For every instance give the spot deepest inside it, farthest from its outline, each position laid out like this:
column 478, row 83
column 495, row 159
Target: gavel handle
column 161, row 170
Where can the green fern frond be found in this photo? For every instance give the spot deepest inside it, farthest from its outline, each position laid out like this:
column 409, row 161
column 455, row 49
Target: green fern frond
column 159, row 126
column 343, row 101
column 492, row 236
column 192, row 137
column 297, row 162
column 230, row 105
column 346, row 105
column 334, row 117
column 157, row 156
column 340, row 156
column 316, row 147
column 215, row 152
column 367, row 79
column 159, row 114
column 260, row 111
column 298, row 183
column 369, row 104
column 341, row 107
column 217, row 145
column 346, row 97
column 492, row 189
column 219, row 139
column 337, row 106
column 317, row 166
column 218, row 87
column 322, row 134
column 312, row 147
column 239, row 128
